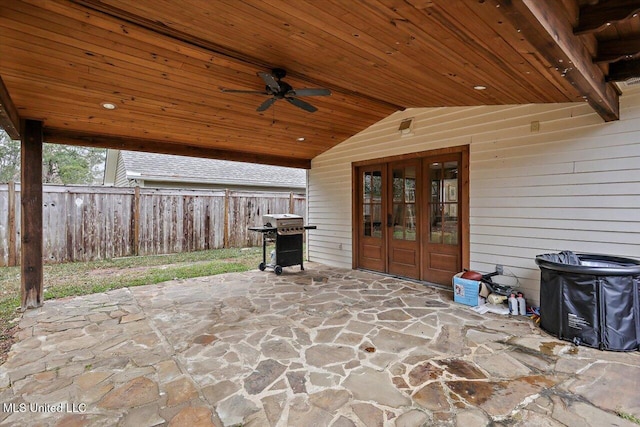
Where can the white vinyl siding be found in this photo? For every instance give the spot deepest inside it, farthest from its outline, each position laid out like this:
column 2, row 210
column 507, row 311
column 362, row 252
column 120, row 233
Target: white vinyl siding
column 572, row 185
column 121, row 172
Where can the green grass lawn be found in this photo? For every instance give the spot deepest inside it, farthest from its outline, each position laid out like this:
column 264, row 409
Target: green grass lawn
column 81, row 278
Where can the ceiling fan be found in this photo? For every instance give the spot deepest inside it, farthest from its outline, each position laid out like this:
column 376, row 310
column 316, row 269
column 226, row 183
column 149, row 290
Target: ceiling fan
column 276, row 88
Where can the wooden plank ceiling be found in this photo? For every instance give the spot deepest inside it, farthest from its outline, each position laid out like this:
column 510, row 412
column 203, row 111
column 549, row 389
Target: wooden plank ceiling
column 163, row 64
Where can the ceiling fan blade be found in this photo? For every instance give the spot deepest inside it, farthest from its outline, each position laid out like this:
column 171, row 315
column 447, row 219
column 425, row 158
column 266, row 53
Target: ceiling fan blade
column 270, row 81
column 301, row 104
column 257, row 92
column 310, row 92
column 266, row 104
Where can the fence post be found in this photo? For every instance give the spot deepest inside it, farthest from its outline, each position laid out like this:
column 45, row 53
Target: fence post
column 11, row 224
column 291, row 205
column 225, row 240
column 136, row 220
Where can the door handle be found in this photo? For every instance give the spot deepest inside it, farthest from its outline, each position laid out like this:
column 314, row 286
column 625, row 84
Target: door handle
column 389, row 220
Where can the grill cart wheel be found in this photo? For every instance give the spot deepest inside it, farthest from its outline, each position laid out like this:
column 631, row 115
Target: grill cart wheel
column 262, row 266
column 278, row 270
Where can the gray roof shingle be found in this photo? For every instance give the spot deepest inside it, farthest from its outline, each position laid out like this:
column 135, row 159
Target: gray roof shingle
column 165, row 167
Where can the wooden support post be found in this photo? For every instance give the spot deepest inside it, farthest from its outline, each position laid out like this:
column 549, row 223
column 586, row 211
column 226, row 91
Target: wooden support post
column 11, row 224
column 226, row 219
column 136, row 221
column 31, row 215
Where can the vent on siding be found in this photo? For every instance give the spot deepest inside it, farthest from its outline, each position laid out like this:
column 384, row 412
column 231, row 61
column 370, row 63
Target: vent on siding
column 405, row 126
column 632, row 81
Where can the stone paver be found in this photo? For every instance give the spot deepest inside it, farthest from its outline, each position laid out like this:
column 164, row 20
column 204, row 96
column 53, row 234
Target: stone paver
column 323, row 347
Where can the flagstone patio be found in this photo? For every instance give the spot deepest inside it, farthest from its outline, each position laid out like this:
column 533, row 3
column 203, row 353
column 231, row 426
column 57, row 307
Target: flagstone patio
column 320, row 347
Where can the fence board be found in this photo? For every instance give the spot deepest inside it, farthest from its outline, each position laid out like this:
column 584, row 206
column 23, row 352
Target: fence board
column 82, row 223
column 4, row 224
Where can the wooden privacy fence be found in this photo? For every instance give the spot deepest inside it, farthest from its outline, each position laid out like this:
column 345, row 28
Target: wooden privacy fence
column 89, row 223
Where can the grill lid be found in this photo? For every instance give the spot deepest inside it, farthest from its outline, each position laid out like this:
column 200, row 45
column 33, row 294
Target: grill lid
column 274, row 217
column 285, row 223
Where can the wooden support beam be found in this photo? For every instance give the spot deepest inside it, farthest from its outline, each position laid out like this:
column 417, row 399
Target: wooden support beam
column 624, row 70
column 31, row 265
column 544, row 25
column 596, row 17
column 616, row 50
column 60, row 136
column 9, row 117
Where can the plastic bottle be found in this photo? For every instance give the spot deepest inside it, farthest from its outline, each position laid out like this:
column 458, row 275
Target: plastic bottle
column 513, row 304
column 522, row 305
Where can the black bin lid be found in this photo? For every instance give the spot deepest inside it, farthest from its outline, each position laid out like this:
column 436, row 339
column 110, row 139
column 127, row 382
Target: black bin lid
column 593, row 264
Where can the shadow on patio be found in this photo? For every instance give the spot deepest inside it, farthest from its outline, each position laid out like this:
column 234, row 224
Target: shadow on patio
column 323, row 347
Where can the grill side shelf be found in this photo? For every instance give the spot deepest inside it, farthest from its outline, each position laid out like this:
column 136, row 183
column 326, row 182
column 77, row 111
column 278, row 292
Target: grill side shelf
column 263, row 229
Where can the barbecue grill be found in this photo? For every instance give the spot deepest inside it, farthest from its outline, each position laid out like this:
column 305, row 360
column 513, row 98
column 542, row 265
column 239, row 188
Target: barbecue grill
column 286, row 231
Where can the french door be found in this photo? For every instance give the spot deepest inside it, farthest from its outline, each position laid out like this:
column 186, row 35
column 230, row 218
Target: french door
column 372, row 240
column 408, row 217
column 441, row 237
column 403, row 247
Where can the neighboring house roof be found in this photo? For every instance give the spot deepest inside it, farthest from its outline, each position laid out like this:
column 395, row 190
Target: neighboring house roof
column 179, row 169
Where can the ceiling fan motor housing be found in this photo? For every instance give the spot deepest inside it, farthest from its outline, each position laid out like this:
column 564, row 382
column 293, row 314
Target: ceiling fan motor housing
column 285, row 88
column 279, row 73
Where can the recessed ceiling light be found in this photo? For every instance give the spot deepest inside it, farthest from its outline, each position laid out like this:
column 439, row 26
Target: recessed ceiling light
column 108, row 106
column 479, row 87
column 300, row 139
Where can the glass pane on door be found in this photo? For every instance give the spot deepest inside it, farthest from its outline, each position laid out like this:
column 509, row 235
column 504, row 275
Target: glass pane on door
column 372, row 204
column 435, row 224
column 443, row 203
column 397, row 221
column 398, row 185
column 367, row 187
column 376, row 185
column 410, row 222
column 366, row 219
column 450, row 203
column 404, row 199
column 376, row 226
column 435, row 215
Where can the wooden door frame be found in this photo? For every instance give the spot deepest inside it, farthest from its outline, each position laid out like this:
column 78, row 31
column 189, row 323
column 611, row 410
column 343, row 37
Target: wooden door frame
column 464, row 202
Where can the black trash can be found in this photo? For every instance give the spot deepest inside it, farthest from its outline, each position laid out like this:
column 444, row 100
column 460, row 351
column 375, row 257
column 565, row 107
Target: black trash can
column 591, row 299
